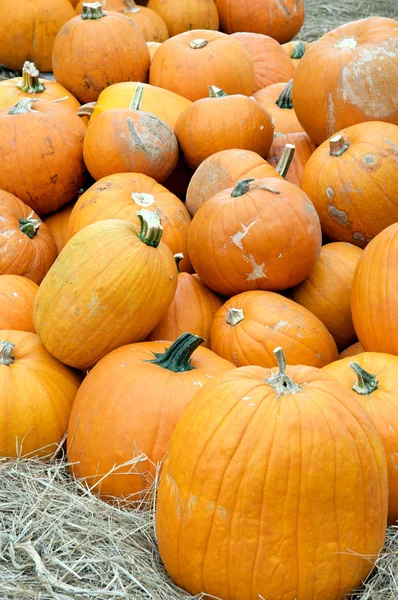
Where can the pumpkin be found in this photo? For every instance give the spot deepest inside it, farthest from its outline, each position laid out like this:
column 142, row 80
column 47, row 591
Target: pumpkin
column 258, row 460
column 36, row 396
column 153, row 47
column 111, row 285
column 27, row 247
column 112, row 423
column 27, row 32
column 279, row 20
column 352, row 179
column 353, row 76
column 189, row 62
column 41, row 153
column 271, row 65
column 352, row 350
column 327, row 290
column 262, row 234
column 372, row 378
column 304, row 148
column 58, row 223
column 295, row 50
column 193, row 308
column 185, row 15
column 277, row 101
column 374, row 297
column 223, row 122
column 17, row 295
column 80, row 62
column 122, row 196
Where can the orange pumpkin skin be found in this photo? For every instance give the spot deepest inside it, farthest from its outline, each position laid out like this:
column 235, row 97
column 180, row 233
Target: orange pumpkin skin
column 353, row 76
column 250, row 325
column 17, row 295
column 153, row 47
column 374, row 298
column 352, row 350
column 124, row 140
column 41, row 151
column 284, row 119
column 121, row 196
column 214, row 124
column 80, row 63
column 36, row 396
column 261, row 239
column 304, row 148
column 80, row 319
column 296, row 50
column 186, row 67
column 327, row 290
column 58, row 223
column 379, row 399
column 280, row 21
column 185, row 15
column 352, row 179
column 232, row 494
column 271, row 65
column 27, row 247
column 116, row 384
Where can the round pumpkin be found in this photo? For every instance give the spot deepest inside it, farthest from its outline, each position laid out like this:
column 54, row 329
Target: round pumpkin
column 277, row 101
column 41, row 153
column 275, row 486
column 327, row 290
column 58, row 223
column 353, row 77
column 303, row 149
column 122, row 196
column 36, row 396
column 17, row 295
column 352, row 179
column 27, row 247
column 372, row 378
column 129, row 405
column 80, row 62
column 185, row 15
column 189, row 62
column 295, row 50
column 246, row 329
column 352, row 350
column 262, row 234
column 87, row 305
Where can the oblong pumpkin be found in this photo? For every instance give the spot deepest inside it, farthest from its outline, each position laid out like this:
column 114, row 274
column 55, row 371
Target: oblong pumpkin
column 185, row 15
column 276, row 99
column 17, row 295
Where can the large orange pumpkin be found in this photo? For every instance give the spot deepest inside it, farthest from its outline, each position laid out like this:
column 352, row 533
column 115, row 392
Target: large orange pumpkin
column 41, row 153
column 372, row 378
column 189, row 62
column 36, row 396
column 277, row 101
column 58, row 223
column 352, row 179
column 303, row 149
column 27, row 247
column 262, row 234
column 129, row 404
column 185, row 15
column 17, row 295
column 275, row 486
column 111, row 285
column 97, row 49
column 347, row 77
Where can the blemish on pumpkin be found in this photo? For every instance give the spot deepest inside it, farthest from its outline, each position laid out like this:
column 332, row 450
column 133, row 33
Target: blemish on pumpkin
column 310, row 209
column 239, row 235
column 143, row 199
column 246, row 398
column 339, row 215
column 329, row 192
column 346, row 43
column 280, row 255
column 369, row 159
column 15, row 294
column 280, row 325
column 171, row 277
column 94, row 303
column 222, row 511
column 235, row 359
column 358, row 236
column 54, row 179
column 258, row 270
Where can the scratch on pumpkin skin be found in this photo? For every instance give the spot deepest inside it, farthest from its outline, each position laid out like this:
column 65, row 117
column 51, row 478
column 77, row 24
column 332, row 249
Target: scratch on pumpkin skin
column 280, row 325
column 258, row 270
column 239, row 235
column 134, row 135
column 94, row 303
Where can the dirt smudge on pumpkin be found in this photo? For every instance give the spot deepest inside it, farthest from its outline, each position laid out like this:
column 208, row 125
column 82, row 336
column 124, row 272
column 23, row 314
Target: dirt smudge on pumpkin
column 94, row 304
column 134, row 135
column 339, row 215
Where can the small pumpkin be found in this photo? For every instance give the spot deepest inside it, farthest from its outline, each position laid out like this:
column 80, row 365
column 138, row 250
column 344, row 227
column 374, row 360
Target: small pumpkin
column 185, row 15
column 295, row 50
column 277, row 101
column 304, row 148
column 352, row 350
column 58, row 223
column 17, row 295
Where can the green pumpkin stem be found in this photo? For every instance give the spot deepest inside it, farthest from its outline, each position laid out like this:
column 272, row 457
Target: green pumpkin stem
column 280, row 382
column 29, row 226
column 86, row 110
column 338, row 145
column 366, row 382
column 6, row 349
column 285, row 99
column 151, row 227
column 216, row 92
column 244, row 185
column 92, row 11
column 234, row 316
column 177, row 358
column 30, row 83
column 136, row 102
column 298, row 49
column 23, row 106
column 178, row 258
column 286, row 160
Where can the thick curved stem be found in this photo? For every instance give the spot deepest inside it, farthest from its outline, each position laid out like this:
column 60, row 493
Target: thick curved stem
column 366, row 382
column 286, row 160
column 338, row 145
column 285, row 99
column 23, row 106
column 151, row 228
column 245, row 185
column 86, row 110
column 6, row 349
column 177, row 358
column 298, row 49
column 30, row 83
column 178, row 258
column 29, row 226
column 92, row 11
column 234, row 316
column 280, row 382
column 216, row 92
column 136, row 102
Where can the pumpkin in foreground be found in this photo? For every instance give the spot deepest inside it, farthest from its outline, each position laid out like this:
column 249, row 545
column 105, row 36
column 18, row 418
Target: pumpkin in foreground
column 275, row 486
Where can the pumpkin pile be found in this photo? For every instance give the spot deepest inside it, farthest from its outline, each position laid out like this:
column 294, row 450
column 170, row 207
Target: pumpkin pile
column 185, row 211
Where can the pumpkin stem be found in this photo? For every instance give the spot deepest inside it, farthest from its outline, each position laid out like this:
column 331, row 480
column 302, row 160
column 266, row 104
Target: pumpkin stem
column 86, row 110
column 366, row 383
column 177, row 358
column 244, row 185
column 143, row 199
column 23, row 106
column 151, row 227
column 216, row 92
column 131, row 6
column 92, row 11
column 136, row 102
column 298, row 49
column 29, row 226
column 6, row 349
column 285, row 99
column 280, row 382
column 178, row 258
column 198, row 43
column 30, row 83
column 234, row 316
column 286, row 160
column 338, row 145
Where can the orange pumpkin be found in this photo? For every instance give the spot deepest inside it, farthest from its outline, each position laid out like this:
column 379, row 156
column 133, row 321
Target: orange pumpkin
column 185, row 15
column 41, row 153
column 349, row 76
column 122, row 196
column 352, row 350
column 352, row 179
column 80, row 62
column 17, row 295
column 111, row 422
column 304, row 148
column 295, row 50
column 277, row 101
column 271, row 65
column 257, row 461
column 262, row 234
column 58, row 223
column 27, row 247
column 153, row 47
column 189, row 62
column 223, row 122
column 36, row 396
